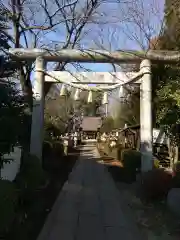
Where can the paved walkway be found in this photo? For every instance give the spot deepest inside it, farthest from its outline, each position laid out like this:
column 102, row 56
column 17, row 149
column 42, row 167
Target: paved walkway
column 89, row 206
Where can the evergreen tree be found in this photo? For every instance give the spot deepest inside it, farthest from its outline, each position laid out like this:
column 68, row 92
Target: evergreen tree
column 12, row 107
column 166, row 78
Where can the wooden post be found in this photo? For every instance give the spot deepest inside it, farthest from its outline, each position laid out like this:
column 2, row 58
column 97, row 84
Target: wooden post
column 37, row 128
column 146, row 117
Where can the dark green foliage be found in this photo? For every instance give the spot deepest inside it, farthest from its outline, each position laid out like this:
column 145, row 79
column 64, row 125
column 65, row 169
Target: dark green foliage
column 58, row 148
column 31, row 175
column 51, row 130
column 30, row 179
column 166, row 101
column 131, row 159
column 166, row 78
column 53, row 154
column 13, row 120
column 8, row 204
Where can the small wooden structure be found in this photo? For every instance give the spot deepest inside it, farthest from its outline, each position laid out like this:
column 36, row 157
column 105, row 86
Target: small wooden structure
column 130, row 136
column 163, row 146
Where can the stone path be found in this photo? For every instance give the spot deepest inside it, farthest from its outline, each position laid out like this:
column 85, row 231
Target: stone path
column 89, row 207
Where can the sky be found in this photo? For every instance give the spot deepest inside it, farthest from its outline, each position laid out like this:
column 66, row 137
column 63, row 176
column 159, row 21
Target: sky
column 123, row 26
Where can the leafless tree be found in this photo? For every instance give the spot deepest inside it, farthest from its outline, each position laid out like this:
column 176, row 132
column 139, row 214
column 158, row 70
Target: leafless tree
column 140, row 24
column 56, row 24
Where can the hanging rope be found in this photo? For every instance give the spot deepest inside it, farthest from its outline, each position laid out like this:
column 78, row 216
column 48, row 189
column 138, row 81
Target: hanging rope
column 94, row 88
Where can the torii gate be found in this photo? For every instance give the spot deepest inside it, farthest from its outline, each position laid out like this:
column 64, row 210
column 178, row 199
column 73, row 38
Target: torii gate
column 143, row 77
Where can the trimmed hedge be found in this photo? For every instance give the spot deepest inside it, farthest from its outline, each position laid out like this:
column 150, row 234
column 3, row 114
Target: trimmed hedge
column 131, row 159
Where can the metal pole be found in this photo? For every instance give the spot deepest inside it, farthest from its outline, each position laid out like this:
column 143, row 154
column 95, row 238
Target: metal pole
column 37, row 127
column 146, row 117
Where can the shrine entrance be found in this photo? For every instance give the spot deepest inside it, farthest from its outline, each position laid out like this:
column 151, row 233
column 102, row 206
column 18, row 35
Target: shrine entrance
column 105, row 83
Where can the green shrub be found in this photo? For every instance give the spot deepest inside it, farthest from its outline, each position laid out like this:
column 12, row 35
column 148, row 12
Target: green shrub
column 47, row 148
column 58, row 149
column 30, row 178
column 155, row 184
column 131, row 159
column 53, row 149
column 31, row 175
column 53, row 153
column 8, row 203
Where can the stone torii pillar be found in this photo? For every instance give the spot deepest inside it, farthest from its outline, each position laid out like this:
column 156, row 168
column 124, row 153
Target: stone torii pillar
column 37, row 127
column 146, row 131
